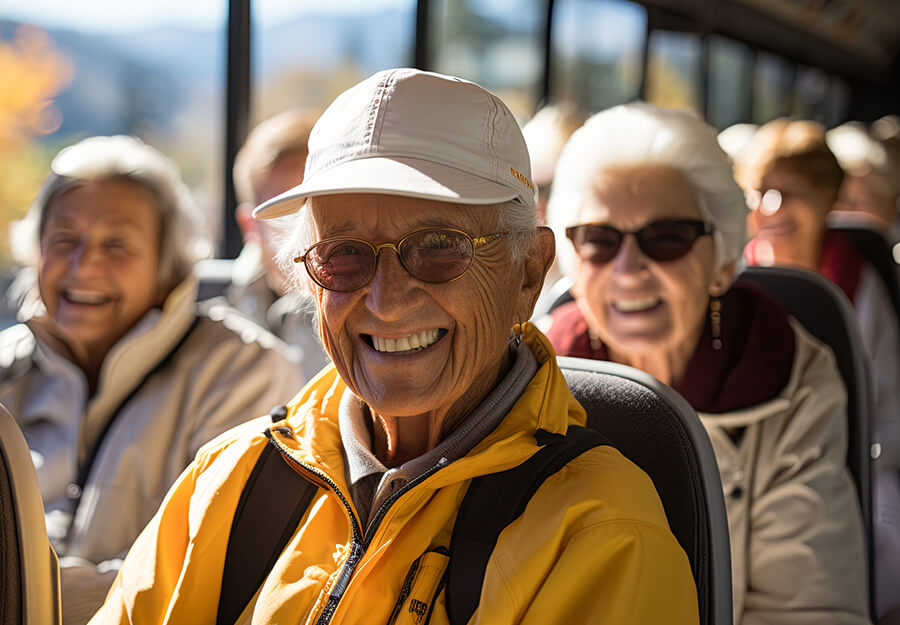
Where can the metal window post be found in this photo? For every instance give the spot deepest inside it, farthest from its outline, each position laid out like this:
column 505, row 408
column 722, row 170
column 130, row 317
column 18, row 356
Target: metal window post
column 237, row 115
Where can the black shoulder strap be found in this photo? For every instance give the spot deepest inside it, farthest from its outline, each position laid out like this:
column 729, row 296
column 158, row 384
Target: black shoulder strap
column 271, row 505
column 494, row 501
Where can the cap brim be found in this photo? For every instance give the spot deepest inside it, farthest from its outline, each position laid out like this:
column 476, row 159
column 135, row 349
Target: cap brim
column 409, row 177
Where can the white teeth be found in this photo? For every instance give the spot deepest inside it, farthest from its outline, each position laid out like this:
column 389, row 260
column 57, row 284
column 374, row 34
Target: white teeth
column 86, row 297
column 419, row 340
column 634, row 305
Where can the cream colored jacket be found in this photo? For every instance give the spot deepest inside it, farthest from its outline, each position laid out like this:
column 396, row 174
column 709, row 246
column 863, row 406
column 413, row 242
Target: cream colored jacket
column 211, row 371
column 797, row 546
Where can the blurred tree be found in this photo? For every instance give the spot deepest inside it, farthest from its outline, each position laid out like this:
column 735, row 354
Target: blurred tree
column 32, row 73
column 667, row 86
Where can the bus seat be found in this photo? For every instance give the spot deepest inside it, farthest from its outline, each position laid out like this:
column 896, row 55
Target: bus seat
column 213, row 276
column 870, row 241
column 654, row 427
column 563, row 298
column 826, row 313
column 29, row 569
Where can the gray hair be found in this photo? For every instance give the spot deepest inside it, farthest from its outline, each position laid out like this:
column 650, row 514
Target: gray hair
column 643, row 134
column 295, row 233
column 129, row 158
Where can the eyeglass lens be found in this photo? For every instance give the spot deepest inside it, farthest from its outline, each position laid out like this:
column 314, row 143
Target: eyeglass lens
column 428, row 255
column 660, row 241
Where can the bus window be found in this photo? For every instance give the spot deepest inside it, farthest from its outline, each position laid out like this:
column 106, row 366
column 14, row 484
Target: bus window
column 597, row 49
column 837, row 102
column 810, row 94
column 105, row 68
column 772, row 79
column 306, row 53
column 730, row 72
column 496, row 44
column 673, row 70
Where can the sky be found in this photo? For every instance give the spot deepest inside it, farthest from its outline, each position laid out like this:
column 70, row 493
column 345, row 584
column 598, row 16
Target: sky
column 121, row 15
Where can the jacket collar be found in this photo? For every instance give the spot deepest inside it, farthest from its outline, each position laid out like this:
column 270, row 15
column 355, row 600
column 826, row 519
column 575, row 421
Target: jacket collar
column 135, row 354
column 546, row 403
column 752, row 365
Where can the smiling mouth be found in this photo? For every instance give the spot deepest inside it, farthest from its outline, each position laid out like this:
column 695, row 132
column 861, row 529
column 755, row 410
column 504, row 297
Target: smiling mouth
column 415, row 342
column 641, row 304
column 87, row 298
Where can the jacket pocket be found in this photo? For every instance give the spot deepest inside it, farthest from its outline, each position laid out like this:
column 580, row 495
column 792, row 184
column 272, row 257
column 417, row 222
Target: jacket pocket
column 423, row 584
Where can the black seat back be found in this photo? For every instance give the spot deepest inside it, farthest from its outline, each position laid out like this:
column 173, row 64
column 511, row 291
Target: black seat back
column 826, row 313
column 655, row 428
column 876, row 250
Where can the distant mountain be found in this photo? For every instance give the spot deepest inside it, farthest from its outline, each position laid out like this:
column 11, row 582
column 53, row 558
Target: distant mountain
column 375, row 41
column 125, row 82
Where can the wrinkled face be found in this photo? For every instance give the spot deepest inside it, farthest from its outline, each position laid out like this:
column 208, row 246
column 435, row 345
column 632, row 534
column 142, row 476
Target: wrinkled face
column 462, row 326
column 635, row 304
column 99, row 261
column 788, row 218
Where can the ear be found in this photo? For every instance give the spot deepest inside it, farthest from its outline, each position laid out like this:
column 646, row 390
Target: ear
column 722, row 279
column 243, row 214
column 534, row 268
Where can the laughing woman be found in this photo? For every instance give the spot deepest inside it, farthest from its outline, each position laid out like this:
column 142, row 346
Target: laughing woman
column 417, row 237
column 116, row 378
column 655, row 224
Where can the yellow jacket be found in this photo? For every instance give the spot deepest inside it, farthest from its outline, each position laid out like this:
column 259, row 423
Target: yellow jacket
column 593, row 546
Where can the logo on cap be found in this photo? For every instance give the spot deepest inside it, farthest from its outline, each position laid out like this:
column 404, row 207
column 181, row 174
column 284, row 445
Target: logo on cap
column 522, row 178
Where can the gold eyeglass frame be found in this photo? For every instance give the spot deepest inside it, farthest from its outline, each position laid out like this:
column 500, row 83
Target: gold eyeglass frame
column 476, row 243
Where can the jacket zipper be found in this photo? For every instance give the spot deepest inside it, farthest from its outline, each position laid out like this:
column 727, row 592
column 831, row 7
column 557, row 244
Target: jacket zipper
column 358, row 543
column 359, row 550
column 404, row 592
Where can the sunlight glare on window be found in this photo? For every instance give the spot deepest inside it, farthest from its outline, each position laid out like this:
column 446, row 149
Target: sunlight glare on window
column 306, row 53
column 597, row 52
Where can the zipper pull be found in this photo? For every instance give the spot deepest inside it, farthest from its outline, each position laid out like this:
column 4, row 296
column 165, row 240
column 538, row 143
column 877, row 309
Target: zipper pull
column 340, row 585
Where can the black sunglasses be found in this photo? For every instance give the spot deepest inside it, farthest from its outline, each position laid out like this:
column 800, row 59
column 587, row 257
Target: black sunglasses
column 663, row 240
column 432, row 255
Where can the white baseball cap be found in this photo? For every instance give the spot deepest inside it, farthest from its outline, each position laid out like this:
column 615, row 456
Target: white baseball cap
column 417, row 134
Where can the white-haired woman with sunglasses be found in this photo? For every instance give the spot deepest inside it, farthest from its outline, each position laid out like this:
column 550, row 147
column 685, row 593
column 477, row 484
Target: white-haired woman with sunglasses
column 116, row 377
column 652, row 225
column 419, row 244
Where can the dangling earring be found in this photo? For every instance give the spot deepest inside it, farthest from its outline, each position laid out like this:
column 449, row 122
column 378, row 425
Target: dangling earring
column 715, row 318
column 595, row 341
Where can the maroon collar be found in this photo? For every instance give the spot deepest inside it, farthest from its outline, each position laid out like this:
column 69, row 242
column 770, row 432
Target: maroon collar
column 840, row 262
column 753, row 365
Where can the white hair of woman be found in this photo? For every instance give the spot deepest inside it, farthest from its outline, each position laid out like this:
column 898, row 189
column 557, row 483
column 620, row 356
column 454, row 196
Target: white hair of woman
column 642, row 134
column 125, row 157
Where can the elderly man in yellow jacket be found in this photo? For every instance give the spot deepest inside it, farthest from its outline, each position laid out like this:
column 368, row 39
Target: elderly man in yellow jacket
column 416, row 231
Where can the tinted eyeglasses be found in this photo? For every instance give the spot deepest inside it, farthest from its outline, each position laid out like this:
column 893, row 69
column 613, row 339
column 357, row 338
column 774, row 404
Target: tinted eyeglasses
column 431, row 255
column 659, row 240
